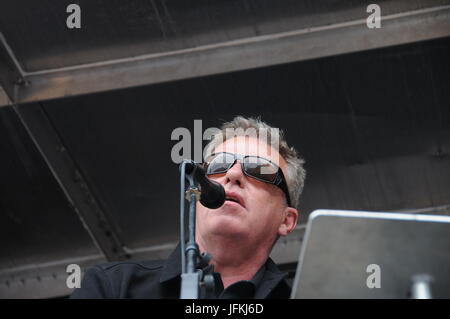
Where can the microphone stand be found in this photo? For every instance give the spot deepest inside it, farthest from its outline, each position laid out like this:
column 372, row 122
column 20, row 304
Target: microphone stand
column 191, row 278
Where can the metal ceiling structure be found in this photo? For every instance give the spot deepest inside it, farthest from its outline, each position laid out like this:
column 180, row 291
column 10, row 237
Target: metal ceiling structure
column 86, row 116
column 145, row 42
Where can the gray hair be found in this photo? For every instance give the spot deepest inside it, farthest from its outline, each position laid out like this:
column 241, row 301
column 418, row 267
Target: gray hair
column 275, row 137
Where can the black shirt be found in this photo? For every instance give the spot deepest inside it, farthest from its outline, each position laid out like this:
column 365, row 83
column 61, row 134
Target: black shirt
column 161, row 279
column 244, row 289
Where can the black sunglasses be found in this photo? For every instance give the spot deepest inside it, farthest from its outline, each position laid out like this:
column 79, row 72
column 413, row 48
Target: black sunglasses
column 256, row 167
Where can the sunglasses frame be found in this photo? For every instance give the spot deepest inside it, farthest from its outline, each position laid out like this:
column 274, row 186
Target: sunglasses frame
column 279, row 181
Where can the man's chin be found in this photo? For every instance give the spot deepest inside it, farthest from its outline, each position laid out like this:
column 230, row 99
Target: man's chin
column 227, row 225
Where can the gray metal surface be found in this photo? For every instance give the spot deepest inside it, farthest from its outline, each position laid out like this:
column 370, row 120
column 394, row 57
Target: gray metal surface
column 340, row 245
column 37, row 224
column 4, row 99
column 324, row 35
column 113, row 29
column 71, row 181
column 11, row 74
column 46, row 280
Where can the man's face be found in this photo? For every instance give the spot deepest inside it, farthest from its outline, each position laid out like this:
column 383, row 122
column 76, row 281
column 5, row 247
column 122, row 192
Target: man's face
column 264, row 213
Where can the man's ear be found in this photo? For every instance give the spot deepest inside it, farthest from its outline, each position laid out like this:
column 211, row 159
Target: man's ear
column 289, row 222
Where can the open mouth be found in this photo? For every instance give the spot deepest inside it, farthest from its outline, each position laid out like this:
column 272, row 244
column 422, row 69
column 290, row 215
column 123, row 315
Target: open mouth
column 233, row 197
column 232, row 200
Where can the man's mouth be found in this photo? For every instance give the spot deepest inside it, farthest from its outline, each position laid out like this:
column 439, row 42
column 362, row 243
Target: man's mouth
column 234, row 197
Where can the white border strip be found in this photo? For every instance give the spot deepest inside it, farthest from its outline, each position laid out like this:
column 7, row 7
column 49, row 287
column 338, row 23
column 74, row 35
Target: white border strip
column 379, row 215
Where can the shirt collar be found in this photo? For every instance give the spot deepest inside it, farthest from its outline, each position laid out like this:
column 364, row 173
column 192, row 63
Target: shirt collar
column 172, row 266
column 270, row 280
column 265, row 280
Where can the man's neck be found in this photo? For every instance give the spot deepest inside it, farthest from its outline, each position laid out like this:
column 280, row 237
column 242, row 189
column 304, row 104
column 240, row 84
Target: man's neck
column 234, row 261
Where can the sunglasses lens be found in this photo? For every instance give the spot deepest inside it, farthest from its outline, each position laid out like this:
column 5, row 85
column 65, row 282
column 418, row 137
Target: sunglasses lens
column 254, row 166
column 260, row 168
column 220, row 164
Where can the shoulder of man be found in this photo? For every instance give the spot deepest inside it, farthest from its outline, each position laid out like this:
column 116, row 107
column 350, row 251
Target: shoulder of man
column 125, row 279
column 282, row 290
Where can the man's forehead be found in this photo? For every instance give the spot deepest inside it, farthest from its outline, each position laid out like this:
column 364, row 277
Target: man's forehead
column 246, row 145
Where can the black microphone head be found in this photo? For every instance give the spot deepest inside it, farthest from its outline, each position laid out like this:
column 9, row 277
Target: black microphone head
column 212, row 193
column 213, row 196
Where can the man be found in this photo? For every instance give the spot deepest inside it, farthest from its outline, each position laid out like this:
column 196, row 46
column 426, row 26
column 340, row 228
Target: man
column 263, row 178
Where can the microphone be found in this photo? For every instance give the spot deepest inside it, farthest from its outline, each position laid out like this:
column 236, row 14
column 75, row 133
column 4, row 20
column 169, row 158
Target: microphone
column 212, row 193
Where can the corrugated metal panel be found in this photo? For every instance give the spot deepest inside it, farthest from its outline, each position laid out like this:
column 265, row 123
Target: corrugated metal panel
column 37, row 32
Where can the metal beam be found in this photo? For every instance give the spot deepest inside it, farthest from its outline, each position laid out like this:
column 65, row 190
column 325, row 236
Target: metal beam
column 71, row 180
column 11, row 74
column 260, row 51
column 4, row 98
column 48, row 280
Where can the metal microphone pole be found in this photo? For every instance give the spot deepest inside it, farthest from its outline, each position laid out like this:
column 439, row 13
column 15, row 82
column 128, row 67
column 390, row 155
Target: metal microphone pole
column 191, row 278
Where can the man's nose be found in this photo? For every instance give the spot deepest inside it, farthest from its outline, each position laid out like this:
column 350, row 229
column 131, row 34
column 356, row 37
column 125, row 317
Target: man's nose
column 235, row 174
